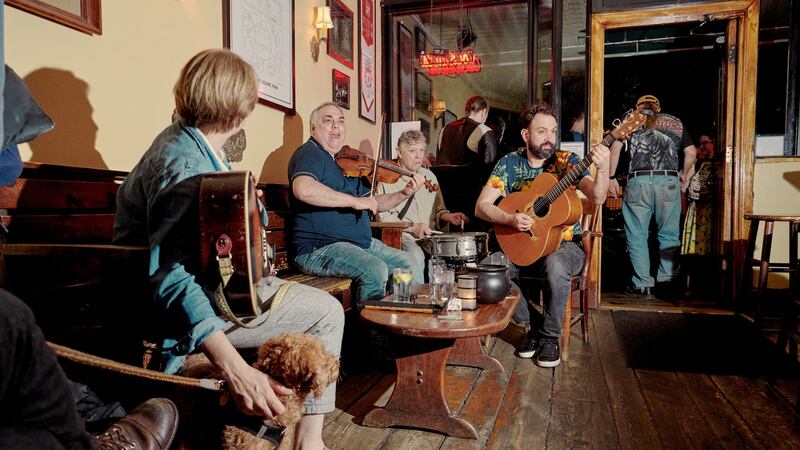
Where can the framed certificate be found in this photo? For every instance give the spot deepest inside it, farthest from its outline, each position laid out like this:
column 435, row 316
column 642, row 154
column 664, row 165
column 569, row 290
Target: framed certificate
column 262, row 33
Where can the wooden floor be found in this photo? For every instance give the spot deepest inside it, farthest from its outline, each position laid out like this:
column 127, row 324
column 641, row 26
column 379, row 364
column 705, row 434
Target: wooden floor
column 591, row 401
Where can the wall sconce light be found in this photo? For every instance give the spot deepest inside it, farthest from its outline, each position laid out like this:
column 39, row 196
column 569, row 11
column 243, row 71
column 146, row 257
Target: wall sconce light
column 322, row 23
column 438, row 108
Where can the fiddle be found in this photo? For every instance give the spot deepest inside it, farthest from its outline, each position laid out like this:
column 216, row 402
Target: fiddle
column 355, row 163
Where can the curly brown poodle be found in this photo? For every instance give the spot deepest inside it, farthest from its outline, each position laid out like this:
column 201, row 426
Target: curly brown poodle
column 298, row 361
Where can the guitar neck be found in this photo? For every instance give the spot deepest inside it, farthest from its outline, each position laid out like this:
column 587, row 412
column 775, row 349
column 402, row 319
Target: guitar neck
column 573, row 174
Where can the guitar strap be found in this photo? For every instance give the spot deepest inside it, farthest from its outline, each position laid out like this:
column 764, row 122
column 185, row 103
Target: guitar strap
column 226, row 270
column 227, row 313
column 406, row 206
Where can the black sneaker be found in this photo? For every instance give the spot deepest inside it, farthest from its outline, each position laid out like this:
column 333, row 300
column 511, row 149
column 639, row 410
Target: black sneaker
column 549, row 353
column 642, row 293
column 528, row 348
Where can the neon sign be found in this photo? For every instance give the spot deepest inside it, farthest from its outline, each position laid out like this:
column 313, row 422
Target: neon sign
column 450, row 62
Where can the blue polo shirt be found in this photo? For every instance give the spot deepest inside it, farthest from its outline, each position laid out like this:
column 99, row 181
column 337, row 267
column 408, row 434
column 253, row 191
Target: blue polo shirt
column 316, row 226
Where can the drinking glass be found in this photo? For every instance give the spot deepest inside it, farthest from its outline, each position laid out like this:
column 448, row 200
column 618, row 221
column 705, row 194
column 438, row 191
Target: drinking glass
column 435, row 267
column 401, row 283
column 444, row 283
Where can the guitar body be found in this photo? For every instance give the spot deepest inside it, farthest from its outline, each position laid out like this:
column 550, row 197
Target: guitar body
column 228, row 207
column 523, row 248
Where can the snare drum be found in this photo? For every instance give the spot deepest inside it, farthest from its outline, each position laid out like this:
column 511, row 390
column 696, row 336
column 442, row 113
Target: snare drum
column 461, row 247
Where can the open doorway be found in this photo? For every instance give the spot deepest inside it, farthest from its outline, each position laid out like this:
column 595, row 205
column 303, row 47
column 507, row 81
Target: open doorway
column 699, row 60
column 681, row 65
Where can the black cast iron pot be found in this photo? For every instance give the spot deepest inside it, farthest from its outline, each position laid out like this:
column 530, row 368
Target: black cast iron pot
column 493, row 282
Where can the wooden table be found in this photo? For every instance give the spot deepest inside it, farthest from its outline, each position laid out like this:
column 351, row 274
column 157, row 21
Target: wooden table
column 423, row 345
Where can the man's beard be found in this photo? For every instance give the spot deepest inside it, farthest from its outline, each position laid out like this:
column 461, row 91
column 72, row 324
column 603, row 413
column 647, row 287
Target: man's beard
column 543, row 151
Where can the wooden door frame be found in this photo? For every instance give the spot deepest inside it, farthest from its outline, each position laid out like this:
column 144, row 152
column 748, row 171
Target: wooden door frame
column 742, row 146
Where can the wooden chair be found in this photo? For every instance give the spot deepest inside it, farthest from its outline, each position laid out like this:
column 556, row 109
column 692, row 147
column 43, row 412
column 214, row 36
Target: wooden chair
column 583, row 288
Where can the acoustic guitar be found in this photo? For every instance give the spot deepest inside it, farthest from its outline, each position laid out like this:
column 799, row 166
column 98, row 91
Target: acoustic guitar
column 233, row 242
column 553, row 205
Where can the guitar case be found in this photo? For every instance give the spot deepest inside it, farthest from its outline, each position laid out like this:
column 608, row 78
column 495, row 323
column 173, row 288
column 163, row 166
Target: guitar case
column 232, row 240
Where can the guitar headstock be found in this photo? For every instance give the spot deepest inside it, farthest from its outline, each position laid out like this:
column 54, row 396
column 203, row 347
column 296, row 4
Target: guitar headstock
column 632, row 121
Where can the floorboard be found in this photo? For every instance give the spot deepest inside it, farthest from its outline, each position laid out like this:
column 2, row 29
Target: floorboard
column 594, row 400
column 765, row 411
column 484, row 401
column 680, row 423
column 724, row 421
column 634, row 424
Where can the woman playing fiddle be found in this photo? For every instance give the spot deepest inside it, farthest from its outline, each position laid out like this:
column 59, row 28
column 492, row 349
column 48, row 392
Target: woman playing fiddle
column 426, row 208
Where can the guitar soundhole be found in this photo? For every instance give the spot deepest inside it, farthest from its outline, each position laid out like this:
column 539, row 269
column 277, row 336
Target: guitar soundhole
column 541, row 211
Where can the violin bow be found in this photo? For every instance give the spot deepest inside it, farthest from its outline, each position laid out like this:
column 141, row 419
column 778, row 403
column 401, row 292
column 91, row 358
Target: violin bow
column 378, row 156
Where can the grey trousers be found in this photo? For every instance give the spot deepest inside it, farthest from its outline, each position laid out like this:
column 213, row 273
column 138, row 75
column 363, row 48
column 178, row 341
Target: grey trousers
column 303, row 310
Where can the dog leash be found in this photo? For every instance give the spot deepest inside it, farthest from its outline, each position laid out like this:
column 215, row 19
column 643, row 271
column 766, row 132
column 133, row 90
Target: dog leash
column 127, row 369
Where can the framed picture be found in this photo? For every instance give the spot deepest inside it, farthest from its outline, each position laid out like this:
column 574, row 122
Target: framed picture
column 423, row 93
column 340, row 38
column 367, row 101
column 405, row 76
column 420, row 41
column 448, row 117
column 425, row 128
column 340, row 93
column 81, row 15
column 262, row 33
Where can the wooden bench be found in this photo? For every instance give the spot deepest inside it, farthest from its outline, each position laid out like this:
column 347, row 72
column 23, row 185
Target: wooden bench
column 55, row 251
column 55, row 254
column 276, row 197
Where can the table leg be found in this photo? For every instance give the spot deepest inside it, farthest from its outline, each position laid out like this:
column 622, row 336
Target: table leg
column 469, row 352
column 794, row 263
column 746, row 281
column 418, row 399
column 763, row 273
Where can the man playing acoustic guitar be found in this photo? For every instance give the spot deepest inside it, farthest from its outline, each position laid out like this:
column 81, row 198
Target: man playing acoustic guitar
column 515, row 172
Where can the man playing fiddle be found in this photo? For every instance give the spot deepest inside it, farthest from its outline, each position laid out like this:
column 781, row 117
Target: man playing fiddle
column 331, row 234
column 426, row 207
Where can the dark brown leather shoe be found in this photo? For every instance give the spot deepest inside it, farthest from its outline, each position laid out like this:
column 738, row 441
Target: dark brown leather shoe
column 151, row 426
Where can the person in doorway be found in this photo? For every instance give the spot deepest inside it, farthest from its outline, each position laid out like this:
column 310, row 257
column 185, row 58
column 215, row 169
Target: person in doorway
column 514, row 172
column 331, row 234
column 157, row 207
column 468, row 147
column 655, row 183
column 425, row 208
column 699, row 221
column 577, row 128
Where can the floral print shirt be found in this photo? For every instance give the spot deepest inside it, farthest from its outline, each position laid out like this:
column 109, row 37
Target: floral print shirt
column 513, row 173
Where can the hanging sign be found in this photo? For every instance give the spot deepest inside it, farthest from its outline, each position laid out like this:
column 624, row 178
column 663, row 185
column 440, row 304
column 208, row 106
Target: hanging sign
column 450, row 62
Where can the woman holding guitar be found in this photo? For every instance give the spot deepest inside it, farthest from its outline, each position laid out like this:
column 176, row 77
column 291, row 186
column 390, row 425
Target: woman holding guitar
column 538, row 172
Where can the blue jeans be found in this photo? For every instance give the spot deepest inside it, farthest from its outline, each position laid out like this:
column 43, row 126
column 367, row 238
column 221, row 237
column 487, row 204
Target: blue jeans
column 368, row 268
column 647, row 196
column 558, row 269
column 416, row 254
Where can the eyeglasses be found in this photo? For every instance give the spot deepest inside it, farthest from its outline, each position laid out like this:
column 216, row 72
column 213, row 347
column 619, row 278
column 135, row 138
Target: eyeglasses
column 706, row 142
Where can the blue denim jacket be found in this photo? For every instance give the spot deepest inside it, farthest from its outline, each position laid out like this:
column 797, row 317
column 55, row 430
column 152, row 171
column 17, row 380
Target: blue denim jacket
column 156, row 206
